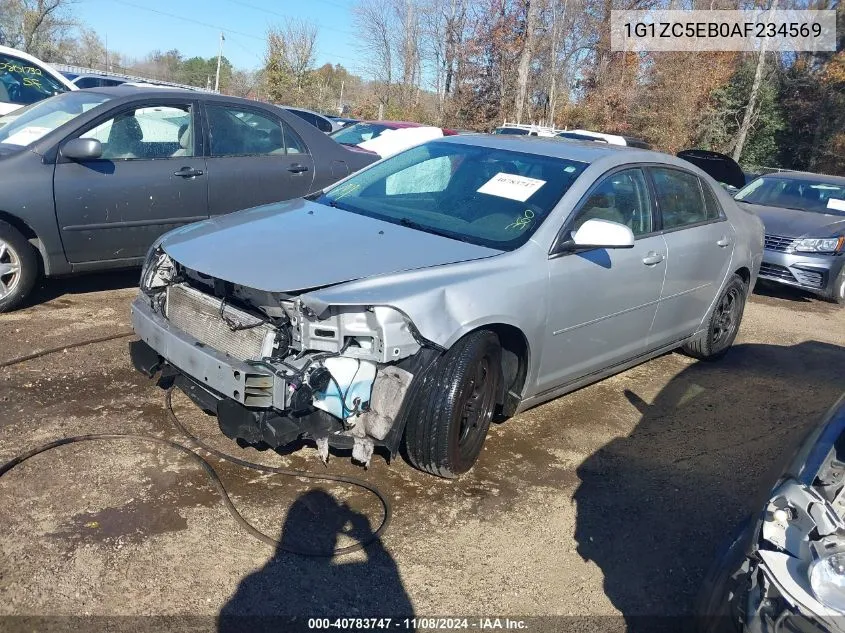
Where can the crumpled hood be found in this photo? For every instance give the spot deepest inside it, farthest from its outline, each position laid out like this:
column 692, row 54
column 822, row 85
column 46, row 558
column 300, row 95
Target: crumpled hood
column 795, row 223
column 298, row 245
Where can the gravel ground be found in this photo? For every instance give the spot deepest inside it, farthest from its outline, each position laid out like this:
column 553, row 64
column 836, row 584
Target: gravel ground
column 610, row 501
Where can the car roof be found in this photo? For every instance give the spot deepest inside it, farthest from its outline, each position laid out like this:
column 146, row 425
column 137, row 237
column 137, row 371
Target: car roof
column 129, row 90
column 803, row 175
column 583, row 151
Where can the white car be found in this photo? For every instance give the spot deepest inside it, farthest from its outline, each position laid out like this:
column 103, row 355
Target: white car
column 25, row 79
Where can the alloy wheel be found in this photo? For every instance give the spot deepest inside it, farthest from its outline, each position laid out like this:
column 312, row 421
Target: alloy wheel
column 10, row 270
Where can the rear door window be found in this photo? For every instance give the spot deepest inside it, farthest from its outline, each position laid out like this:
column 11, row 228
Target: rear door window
column 242, row 132
column 680, row 198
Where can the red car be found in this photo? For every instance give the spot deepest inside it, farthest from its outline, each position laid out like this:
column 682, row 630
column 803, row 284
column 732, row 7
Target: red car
column 362, row 131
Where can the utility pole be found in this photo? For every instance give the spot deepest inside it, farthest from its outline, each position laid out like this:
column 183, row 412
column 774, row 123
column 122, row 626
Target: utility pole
column 340, row 102
column 219, row 57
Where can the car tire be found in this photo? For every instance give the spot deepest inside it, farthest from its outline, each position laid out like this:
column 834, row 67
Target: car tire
column 18, row 267
column 448, row 423
column 837, row 291
column 722, row 324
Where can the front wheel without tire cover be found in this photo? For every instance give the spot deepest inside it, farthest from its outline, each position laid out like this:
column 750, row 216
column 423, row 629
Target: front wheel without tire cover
column 450, row 417
column 723, row 324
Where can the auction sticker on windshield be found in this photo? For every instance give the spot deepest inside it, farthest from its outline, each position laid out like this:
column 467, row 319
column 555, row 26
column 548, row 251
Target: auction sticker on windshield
column 511, row 186
column 834, row 203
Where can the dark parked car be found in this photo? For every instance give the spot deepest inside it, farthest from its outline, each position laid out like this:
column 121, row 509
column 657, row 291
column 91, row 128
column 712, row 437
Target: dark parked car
column 93, row 177
column 784, row 570
column 804, row 215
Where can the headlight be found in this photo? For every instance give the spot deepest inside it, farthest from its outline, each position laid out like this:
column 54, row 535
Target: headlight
column 158, row 270
column 827, row 578
column 817, row 245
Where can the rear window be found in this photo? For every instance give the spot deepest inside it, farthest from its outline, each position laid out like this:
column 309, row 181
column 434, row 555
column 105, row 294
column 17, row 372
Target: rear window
column 358, row 133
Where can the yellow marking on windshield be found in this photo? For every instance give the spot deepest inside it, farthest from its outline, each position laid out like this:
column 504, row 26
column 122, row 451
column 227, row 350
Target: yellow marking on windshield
column 522, row 221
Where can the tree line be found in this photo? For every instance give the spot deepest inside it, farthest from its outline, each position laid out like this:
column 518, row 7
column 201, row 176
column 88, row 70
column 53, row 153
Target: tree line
column 476, row 63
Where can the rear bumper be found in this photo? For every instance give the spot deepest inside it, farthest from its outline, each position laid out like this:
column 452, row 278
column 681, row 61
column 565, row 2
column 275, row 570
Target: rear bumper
column 807, row 271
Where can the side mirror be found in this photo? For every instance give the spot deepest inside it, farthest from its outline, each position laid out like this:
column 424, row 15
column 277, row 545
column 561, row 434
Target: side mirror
column 601, row 234
column 82, row 149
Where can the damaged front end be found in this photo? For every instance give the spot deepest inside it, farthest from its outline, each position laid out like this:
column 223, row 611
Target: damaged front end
column 273, row 370
column 786, row 571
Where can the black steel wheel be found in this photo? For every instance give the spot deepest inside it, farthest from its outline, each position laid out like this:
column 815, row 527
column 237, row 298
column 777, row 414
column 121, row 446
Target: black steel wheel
column 723, row 323
column 448, row 423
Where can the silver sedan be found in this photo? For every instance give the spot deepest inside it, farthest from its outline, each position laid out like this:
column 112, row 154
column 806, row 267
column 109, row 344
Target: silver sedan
column 463, row 280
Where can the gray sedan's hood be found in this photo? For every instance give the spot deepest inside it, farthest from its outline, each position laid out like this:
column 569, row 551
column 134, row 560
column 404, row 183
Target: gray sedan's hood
column 795, row 223
column 298, row 245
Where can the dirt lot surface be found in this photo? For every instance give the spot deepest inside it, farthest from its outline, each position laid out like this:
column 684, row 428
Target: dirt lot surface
column 612, row 500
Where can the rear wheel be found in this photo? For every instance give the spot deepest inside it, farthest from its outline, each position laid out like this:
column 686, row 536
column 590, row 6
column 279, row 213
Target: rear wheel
column 18, row 267
column 449, row 421
column 723, row 324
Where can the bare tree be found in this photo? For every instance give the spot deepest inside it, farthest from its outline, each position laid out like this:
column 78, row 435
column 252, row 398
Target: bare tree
column 89, row 50
column 749, row 115
column 527, row 54
column 374, row 20
column 290, row 58
column 243, row 83
column 35, row 26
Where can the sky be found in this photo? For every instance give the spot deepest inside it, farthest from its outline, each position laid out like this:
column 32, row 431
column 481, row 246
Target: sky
column 136, row 27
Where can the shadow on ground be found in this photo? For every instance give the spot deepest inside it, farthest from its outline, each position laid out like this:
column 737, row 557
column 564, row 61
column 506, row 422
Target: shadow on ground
column 774, row 290
column 52, row 289
column 652, row 507
column 292, row 585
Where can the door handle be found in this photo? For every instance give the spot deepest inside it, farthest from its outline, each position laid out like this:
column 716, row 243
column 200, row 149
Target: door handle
column 652, row 259
column 296, row 168
column 188, row 172
column 722, row 243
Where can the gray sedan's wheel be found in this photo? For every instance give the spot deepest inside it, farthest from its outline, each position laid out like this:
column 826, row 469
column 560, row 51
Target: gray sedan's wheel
column 18, row 267
column 448, row 424
column 837, row 291
column 723, row 324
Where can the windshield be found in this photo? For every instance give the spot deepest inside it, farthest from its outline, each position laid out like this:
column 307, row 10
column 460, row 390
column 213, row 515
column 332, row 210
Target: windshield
column 485, row 196
column 358, row 133
column 818, row 196
column 24, row 127
column 510, row 130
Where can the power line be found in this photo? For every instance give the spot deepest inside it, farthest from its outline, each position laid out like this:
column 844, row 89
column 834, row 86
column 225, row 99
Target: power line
column 287, row 15
column 218, row 28
column 192, row 20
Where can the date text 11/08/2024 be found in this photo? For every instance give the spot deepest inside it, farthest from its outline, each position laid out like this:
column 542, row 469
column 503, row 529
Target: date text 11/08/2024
column 413, row 624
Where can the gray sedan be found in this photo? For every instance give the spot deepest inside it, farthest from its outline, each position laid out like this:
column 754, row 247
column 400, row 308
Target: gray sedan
column 804, row 215
column 92, row 177
column 465, row 279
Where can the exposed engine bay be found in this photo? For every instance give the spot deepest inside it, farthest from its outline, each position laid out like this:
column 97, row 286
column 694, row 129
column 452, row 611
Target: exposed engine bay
column 796, row 576
column 271, row 368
